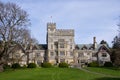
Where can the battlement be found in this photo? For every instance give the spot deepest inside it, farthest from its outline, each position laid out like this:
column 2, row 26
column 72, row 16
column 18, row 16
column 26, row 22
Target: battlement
column 64, row 32
column 51, row 24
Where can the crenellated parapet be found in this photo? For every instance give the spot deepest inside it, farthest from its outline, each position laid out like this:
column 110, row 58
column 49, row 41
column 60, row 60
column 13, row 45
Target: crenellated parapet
column 64, row 32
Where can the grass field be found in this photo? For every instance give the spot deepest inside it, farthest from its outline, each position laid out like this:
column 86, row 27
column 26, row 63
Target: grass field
column 51, row 74
column 107, row 71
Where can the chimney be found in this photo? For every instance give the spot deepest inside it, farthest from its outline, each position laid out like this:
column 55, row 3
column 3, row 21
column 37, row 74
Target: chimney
column 94, row 43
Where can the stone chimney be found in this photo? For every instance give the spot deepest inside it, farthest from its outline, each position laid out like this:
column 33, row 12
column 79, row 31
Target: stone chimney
column 94, row 43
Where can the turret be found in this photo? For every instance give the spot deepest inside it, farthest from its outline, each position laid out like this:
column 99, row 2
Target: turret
column 51, row 27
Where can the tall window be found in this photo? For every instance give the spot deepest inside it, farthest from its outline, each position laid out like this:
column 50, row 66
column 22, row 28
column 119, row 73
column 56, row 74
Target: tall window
column 62, row 53
column 70, row 46
column 71, row 54
column 51, row 53
column 62, row 60
column 62, row 45
column 51, row 46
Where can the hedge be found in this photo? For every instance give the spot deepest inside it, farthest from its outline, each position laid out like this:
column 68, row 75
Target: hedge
column 93, row 64
column 108, row 64
column 63, row 65
column 16, row 66
column 46, row 65
column 31, row 65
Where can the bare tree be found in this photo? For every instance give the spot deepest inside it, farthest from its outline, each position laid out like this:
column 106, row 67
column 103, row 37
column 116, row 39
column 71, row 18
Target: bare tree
column 13, row 21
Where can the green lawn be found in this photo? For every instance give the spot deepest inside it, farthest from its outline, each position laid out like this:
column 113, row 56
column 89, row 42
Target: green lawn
column 108, row 71
column 51, row 74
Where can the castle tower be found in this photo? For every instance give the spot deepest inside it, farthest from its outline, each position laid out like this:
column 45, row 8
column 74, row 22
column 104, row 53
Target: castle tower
column 51, row 27
column 60, row 43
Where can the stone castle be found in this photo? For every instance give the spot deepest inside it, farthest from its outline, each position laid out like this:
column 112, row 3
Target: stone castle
column 61, row 47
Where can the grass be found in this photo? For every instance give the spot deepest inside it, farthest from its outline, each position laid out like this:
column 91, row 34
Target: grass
column 105, row 70
column 51, row 74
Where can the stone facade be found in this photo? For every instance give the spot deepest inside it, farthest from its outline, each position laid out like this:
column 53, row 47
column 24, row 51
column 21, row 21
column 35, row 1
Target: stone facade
column 61, row 47
column 60, row 44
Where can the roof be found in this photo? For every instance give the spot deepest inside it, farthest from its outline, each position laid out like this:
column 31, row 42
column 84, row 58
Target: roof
column 38, row 47
column 42, row 46
column 89, row 46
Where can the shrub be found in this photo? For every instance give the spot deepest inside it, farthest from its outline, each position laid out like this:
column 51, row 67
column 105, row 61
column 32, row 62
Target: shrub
column 31, row 65
column 6, row 66
column 63, row 65
column 108, row 64
column 24, row 66
column 15, row 65
column 93, row 64
column 46, row 65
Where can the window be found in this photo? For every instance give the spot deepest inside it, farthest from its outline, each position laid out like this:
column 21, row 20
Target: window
column 104, row 55
column 51, row 46
column 80, row 55
column 62, row 53
column 62, row 60
column 61, row 45
column 52, row 54
column 70, row 46
column 38, row 55
column 71, row 54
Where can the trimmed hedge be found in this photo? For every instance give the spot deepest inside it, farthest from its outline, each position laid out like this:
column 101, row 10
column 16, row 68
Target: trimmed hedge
column 93, row 64
column 108, row 64
column 46, row 65
column 16, row 66
column 63, row 65
column 31, row 65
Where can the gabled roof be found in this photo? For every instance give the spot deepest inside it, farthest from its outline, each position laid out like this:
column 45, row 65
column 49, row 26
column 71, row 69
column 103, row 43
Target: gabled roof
column 16, row 47
column 87, row 46
column 102, row 45
column 38, row 47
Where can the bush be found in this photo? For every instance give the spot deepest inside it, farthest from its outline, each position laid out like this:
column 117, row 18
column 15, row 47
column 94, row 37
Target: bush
column 31, row 65
column 15, row 65
column 6, row 66
column 108, row 64
column 46, row 65
column 24, row 66
column 63, row 65
column 93, row 64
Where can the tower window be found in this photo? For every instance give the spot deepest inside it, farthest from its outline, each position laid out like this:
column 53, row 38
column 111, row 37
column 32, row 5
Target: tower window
column 51, row 46
column 62, row 53
column 51, row 54
column 61, row 45
column 70, row 46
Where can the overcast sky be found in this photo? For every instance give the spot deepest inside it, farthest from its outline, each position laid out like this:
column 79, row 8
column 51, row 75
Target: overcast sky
column 88, row 18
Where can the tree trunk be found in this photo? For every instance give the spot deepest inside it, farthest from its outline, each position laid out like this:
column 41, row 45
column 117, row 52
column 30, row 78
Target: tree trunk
column 1, row 65
column 1, row 68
